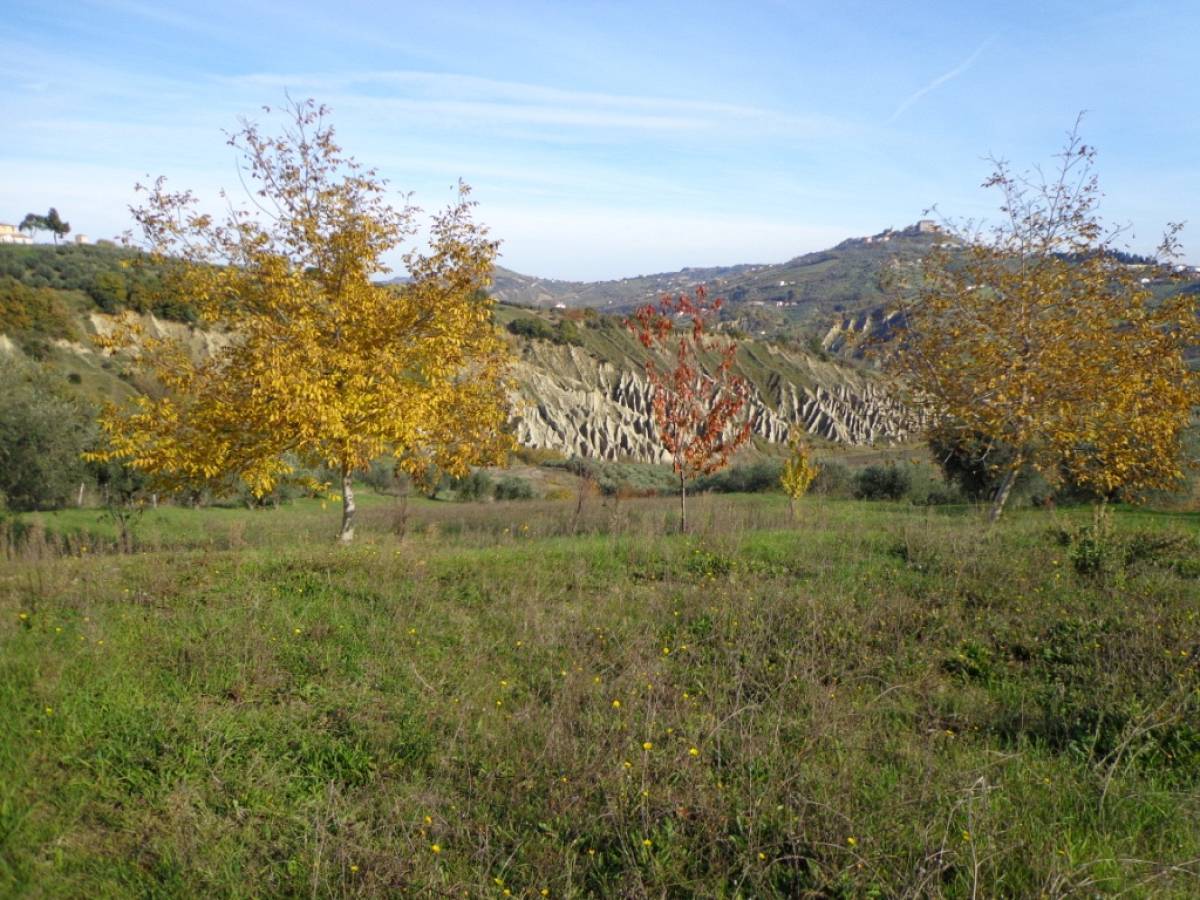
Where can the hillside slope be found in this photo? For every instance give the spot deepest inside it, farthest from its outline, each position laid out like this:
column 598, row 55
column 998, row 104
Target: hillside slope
column 580, row 389
column 590, row 397
column 812, row 288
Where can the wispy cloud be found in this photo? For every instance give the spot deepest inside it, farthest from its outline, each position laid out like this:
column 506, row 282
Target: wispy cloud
column 448, row 97
column 160, row 14
column 940, row 80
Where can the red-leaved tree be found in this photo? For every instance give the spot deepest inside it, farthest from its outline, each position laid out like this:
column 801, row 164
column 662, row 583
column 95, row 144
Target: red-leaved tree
column 698, row 400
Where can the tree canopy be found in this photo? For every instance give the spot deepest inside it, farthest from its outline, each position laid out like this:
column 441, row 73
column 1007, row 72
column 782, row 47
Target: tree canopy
column 43, row 432
column 1039, row 346
column 325, row 365
column 699, row 409
column 51, row 222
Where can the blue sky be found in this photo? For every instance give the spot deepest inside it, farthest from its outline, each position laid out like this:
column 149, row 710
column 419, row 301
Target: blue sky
column 611, row 139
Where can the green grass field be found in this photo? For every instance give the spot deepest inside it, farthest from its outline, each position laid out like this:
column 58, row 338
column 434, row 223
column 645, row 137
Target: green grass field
column 878, row 700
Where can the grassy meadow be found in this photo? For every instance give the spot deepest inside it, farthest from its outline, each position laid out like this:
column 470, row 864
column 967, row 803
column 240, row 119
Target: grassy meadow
column 876, row 700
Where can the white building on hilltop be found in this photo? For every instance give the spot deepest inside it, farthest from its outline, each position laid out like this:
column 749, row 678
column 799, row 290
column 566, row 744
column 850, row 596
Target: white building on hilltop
column 10, row 234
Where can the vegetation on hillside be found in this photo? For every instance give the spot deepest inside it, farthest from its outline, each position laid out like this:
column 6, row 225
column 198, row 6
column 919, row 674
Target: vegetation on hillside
column 92, row 277
column 783, row 299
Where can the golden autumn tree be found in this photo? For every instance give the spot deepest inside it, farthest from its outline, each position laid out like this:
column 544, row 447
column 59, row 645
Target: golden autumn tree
column 1039, row 347
column 324, row 365
column 799, row 470
column 696, row 403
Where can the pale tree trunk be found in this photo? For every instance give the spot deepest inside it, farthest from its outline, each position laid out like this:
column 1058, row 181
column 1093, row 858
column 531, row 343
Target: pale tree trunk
column 346, row 535
column 682, row 505
column 1006, row 487
column 79, row 502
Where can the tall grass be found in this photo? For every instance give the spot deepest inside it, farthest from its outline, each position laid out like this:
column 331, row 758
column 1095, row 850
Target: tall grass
column 879, row 700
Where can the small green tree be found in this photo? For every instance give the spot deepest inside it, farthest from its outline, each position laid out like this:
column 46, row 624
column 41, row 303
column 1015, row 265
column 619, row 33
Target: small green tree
column 798, row 472
column 51, row 222
column 125, row 494
column 109, row 290
column 887, row 482
column 43, row 433
column 33, row 223
column 56, row 225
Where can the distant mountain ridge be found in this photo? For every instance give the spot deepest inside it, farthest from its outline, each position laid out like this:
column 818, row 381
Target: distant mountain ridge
column 806, row 292
column 804, row 297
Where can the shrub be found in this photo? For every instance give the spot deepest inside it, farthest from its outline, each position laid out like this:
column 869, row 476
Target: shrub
column 975, row 465
column 833, row 480
column 566, row 332
column 750, row 478
column 537, row 456
column 109, row 290
column 43, row 433
column 383, row 478
column 476, row 486
column 928, row 488
column 531, row 327
column 510, row 487
column 562, row 332
column 623, row 478
column 888, row 482
column 34, row 315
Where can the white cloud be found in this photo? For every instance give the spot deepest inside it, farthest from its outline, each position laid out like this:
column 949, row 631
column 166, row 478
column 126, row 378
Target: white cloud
column 473, row 100
column 940, row 80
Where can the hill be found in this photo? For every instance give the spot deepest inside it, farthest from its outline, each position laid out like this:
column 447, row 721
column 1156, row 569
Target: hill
column 580, row 388
column 807, row 290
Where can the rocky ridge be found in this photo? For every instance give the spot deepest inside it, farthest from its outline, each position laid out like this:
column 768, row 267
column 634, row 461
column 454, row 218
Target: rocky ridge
column 568, row 400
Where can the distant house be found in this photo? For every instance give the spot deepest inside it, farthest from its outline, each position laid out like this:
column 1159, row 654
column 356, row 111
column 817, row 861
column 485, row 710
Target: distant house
column 82, row 239
column 928, row 226
column 11, row 234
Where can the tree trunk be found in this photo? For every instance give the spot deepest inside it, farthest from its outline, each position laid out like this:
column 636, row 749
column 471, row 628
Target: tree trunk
column 682, row 505
column 79, row 502
column 346, row 535
column 400, row 525
column 1006, row 487
column 792, row 508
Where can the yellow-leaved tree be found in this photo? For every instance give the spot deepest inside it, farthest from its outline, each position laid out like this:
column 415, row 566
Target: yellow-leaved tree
column 799, row 471
column 1037, row 345
column 325, row 365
